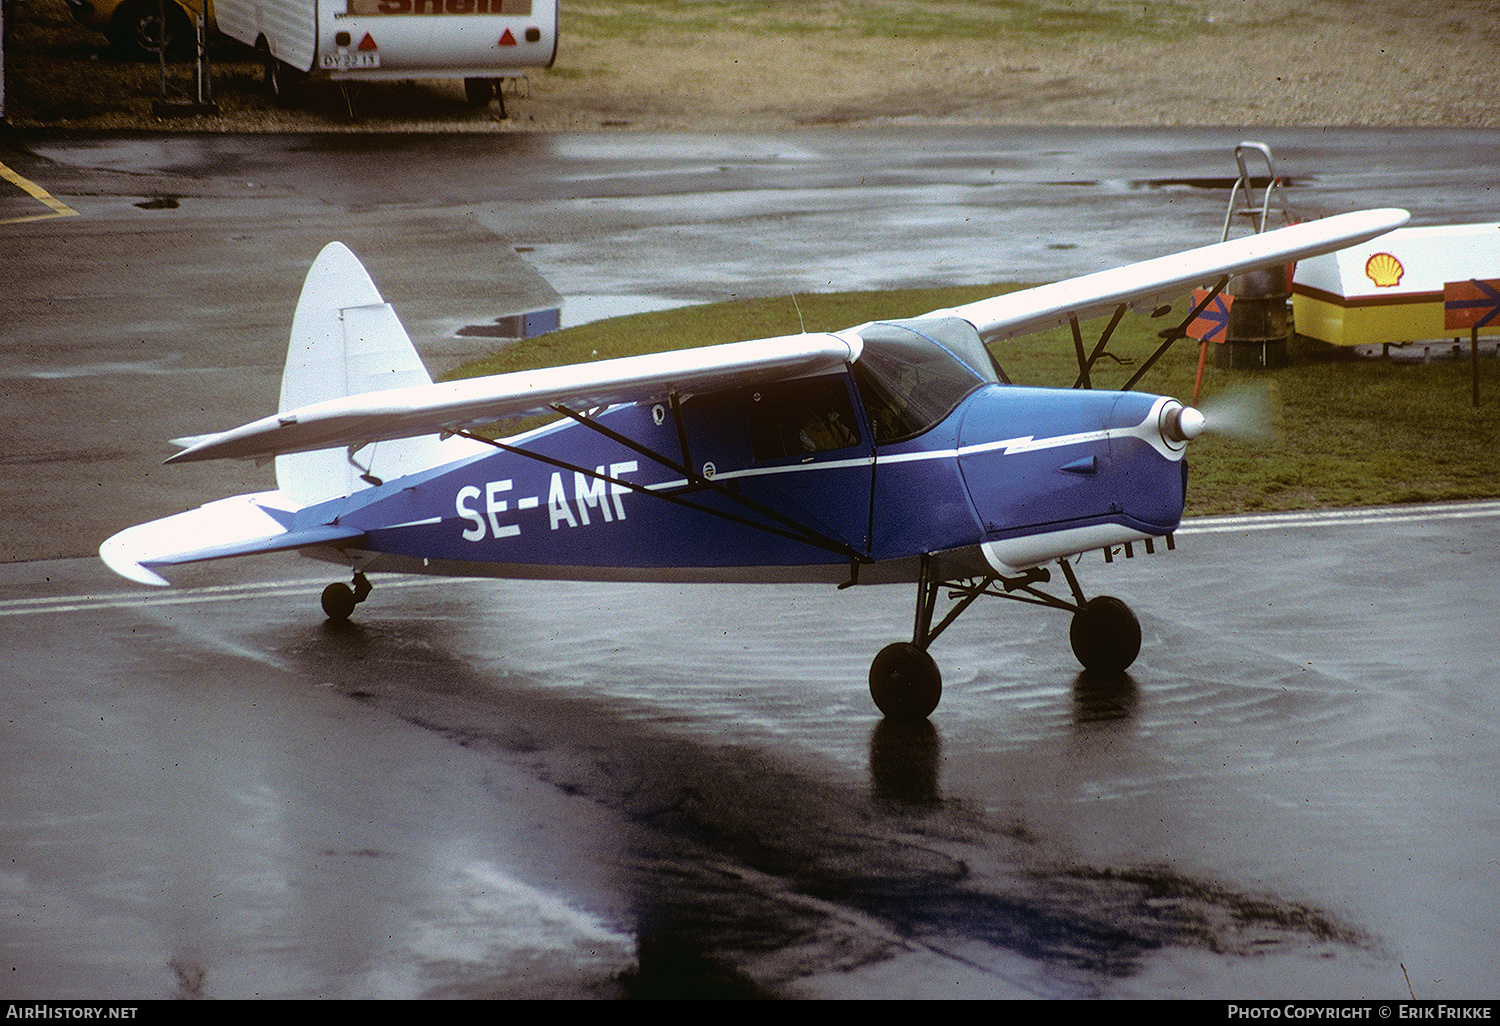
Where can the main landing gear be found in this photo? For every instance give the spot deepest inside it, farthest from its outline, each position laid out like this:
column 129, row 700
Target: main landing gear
column 339, row 600
column 905, row 681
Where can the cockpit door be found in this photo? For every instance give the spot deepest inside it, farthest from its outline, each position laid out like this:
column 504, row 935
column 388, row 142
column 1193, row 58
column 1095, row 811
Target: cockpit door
column 798, row 449
column 813, row 460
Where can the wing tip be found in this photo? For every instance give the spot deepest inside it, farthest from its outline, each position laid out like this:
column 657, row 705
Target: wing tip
column 1380, row 219
column 117, row 554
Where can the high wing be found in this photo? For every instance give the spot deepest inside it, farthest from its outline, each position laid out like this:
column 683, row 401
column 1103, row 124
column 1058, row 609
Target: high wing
column 1168, row 277
column 426, row 409
column 357, row 420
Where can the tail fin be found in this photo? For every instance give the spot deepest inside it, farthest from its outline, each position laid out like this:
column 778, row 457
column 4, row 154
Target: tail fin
column 346, row 340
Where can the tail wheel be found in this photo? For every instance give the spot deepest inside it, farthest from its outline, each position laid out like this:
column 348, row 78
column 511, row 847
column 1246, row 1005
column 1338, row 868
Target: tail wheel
column 1105, row 634
column 905, row 682
column 339, row 601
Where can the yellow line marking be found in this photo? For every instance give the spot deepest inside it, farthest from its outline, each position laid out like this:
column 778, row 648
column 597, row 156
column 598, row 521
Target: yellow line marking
column 57, row 206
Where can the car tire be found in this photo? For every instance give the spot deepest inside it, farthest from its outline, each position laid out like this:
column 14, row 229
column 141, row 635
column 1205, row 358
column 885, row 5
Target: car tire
column 138, row 29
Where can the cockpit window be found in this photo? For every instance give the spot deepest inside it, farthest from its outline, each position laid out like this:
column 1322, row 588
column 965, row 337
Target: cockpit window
column 913, row 373
column 799, row 418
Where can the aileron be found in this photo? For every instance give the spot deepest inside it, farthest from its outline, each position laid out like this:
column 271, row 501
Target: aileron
column 1167, row 277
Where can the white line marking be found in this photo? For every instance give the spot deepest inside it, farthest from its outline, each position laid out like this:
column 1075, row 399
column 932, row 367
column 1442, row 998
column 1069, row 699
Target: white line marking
column 1200, row 525
column 412, row 523
column 187, row 596
column 1340, row 517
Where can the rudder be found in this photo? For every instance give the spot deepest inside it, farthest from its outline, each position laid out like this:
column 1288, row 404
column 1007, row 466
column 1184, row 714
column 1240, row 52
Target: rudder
column 347, row 340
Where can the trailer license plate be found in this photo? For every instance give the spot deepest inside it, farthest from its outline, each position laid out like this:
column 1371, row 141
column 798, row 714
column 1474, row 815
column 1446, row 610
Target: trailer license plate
column 349, row 60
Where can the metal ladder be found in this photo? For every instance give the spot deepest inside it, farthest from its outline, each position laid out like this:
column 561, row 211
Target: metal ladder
column 1243, row 192
column 177, row 101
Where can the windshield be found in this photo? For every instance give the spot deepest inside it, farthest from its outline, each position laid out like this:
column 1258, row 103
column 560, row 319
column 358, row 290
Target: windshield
column 913, row 373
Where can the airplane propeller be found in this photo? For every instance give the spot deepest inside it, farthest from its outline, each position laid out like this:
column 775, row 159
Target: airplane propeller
column 1246, row 413
column 1182, row 423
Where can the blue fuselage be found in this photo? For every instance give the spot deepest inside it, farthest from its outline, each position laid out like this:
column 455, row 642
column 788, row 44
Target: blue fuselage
column 794, row 481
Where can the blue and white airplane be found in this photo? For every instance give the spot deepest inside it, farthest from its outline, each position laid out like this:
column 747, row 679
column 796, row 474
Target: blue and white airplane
column 895, row 451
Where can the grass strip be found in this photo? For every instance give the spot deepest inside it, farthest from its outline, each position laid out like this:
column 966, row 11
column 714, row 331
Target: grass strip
column 1344, row 431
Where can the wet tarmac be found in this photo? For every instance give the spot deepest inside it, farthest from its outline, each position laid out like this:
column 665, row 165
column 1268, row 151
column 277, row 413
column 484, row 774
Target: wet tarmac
column 523, row 790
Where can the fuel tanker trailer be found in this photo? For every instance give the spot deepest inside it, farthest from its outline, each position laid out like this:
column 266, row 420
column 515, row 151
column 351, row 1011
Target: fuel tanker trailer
column 481, row 42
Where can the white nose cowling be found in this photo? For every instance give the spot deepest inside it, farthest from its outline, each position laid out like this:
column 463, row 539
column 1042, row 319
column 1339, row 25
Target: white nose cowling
column 1183, row 424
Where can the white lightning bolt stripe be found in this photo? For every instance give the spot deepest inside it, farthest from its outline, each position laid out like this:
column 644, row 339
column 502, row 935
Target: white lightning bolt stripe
column 1012, row 446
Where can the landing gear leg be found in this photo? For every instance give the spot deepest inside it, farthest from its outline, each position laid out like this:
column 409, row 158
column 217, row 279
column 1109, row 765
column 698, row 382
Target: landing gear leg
column 339, row 600
column 905, row 681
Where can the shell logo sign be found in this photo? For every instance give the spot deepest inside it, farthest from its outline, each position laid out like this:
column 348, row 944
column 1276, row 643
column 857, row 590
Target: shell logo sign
column 1384, row 270
column 1367, row 295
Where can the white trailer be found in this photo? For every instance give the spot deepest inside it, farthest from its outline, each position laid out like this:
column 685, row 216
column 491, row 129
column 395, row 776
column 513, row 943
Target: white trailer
column 479, row 41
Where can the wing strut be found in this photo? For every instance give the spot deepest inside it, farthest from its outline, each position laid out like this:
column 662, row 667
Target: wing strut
column 789, row 528
column 1086, row 365
column 696, row 481
column 1178, row 332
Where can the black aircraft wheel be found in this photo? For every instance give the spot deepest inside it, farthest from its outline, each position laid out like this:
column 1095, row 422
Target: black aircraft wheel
column 1105, row 634
column 339, row 601
column 905, row 682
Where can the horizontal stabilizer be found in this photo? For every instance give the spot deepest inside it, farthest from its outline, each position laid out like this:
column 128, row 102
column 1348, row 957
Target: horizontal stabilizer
column 188, row 441
column 1168, row 277
column 243, row 525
